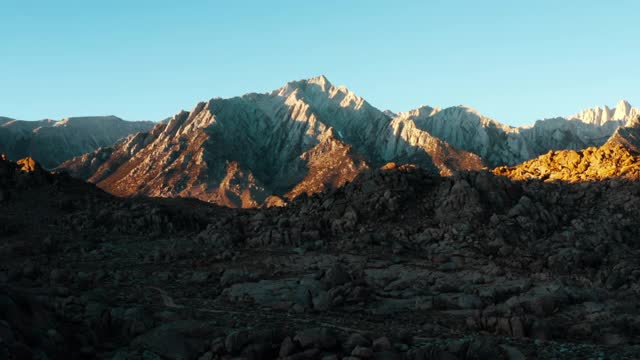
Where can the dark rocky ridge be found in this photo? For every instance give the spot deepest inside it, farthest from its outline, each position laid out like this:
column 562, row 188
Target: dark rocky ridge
column 398, row 263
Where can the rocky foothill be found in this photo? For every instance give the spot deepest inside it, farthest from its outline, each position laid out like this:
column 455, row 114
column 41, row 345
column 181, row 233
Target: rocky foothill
column 618, row 158
column 397, row 264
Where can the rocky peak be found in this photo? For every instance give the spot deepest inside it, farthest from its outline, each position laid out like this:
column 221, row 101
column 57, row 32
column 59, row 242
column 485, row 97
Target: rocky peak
column 420, row 113
column 622, row 111
column 319, row 92
column 320, row 83
column 320, row 80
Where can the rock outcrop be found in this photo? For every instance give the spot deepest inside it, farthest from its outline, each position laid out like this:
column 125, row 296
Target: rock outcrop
column 619, row 157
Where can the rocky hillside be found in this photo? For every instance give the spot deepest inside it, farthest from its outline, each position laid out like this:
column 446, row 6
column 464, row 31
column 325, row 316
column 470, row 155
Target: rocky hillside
column 397, row 264
column 53, row 142
column 302, row 138
column 619, row 157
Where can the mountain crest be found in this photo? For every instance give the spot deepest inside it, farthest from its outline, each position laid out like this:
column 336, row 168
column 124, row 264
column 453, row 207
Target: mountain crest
column 600, row 116
column 422, row 112
column 622, row 111
column 320, row 80
column 52, row 142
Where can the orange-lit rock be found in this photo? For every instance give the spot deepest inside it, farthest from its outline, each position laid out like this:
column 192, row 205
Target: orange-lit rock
column 28, row 165
column 619, row 157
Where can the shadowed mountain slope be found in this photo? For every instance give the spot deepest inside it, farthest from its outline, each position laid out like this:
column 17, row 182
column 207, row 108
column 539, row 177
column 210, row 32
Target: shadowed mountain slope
column 52, row 142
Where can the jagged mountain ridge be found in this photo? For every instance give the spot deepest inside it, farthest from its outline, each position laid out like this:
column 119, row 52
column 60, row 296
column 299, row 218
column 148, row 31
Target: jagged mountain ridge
column 52, row 142
column 499, row 144
column 622, row 113
column 619, row 157
column 301, row 138
column 310, row 135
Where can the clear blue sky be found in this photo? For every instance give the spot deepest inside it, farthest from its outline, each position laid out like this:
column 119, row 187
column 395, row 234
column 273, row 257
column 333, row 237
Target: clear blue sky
column 515, row 61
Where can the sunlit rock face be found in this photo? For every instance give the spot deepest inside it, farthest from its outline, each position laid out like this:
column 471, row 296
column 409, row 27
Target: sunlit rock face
column 622, row 113
column 303, row 138
column 52, row 142
column 617, row 158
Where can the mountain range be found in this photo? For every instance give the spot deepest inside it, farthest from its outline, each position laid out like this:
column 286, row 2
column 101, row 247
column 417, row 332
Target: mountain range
column 509, row 269
column 310, row 135
column 303, row 138
column 619, row 157
column 52, row 142
column 498, row 144
column 535, row 258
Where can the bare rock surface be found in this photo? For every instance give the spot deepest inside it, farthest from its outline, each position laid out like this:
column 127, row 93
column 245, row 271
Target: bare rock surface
column 619, row 157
